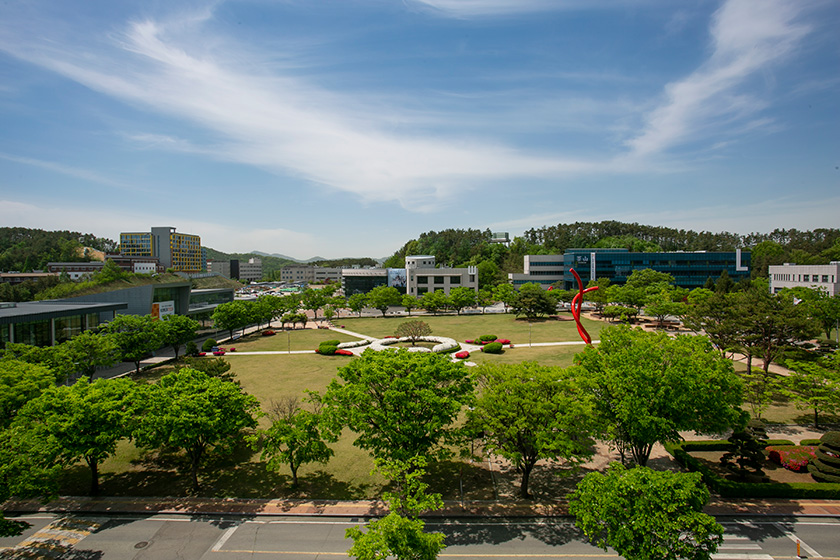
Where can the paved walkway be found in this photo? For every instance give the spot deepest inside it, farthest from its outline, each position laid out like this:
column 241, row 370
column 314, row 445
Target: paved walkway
column 372, row 508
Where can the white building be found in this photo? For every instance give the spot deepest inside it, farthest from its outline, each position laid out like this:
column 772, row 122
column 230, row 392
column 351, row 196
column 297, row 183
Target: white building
column 544, row 270
column 309, row 273
column 818, row 276
column 422, row 276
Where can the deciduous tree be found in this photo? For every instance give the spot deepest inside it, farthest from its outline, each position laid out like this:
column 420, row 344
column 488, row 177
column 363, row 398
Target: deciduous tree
column 527, row 412
column 648, row 387
column 461, row 297
column 645, row 514
column 413, row 330
column 434, row 301
column 400, row 404
column 532, row 301
column 135, row 336
column 178, row 330
column 192, row 411
column 383, row 297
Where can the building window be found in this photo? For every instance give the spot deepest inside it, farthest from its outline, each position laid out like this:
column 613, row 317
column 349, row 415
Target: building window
column 438, row 279
column 825, row 277
column 806, row 278
column 422, row 279
column 454, row 279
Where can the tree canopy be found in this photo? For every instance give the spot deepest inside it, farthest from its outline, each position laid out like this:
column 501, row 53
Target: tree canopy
column 648, row 387
column 400, row 404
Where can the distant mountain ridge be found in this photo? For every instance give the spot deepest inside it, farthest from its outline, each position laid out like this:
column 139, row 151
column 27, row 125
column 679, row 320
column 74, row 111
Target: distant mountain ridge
column 288, row 258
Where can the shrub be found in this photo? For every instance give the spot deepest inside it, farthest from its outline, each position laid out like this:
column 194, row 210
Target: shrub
column 191, row 349
column 731, row 489
column 327, row 349
column 329, row 343
column 793, row 457
column 487, row 337
column 342, row 352
column 825, row 467
column 503, row 341
column 810, row 442
column 268, row 333
column 493, row 348
column 208, row 345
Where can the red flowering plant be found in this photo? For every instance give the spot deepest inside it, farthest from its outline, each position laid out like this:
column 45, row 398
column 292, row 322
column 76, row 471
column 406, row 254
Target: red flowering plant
column 462, row 355
column 793, row 457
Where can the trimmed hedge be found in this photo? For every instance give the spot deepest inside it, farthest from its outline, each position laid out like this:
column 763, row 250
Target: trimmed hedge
column 826, row 465
column 327, row 349
column 810, row 442
column 730, row 489
column 208, row 344
column 492, row 348
column 487, row 337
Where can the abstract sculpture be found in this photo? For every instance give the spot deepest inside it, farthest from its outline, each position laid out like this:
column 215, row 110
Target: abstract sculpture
column 576, row 303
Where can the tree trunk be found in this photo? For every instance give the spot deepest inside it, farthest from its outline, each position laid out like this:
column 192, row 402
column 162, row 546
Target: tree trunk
column 94, row 475
column 137, row 366
column 526, row 479
column 294, row 475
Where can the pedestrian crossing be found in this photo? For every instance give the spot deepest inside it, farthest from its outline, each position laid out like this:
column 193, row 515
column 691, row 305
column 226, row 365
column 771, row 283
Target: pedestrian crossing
column 739, row 547
column 55, row 540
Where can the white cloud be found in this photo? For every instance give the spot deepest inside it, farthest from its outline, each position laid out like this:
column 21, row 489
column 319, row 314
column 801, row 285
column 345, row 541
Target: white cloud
column 478, row 8
column 281, row 123
column 748, row 38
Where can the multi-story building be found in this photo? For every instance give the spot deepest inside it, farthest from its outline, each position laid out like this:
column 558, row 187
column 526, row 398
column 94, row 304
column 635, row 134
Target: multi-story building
column 689, row 269
column 250, row 271
column 818, row 276
column 179, row 251
column 310, row 274
column 222, row 268
column 422, row 276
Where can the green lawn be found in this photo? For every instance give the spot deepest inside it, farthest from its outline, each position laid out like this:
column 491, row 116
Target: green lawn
column 348, row 475
column 466, row 327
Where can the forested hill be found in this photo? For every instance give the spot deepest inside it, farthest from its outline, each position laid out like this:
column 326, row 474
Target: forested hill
column 26, row 249
column 457, row 247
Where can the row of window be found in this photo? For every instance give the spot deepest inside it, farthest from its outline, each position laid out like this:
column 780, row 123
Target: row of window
column 803, row 278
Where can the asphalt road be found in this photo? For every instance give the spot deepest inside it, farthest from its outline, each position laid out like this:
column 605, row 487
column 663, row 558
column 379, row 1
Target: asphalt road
column 163, row 537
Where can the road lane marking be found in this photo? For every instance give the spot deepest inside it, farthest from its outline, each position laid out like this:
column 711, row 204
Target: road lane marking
column 224, row 538
column 810, row 551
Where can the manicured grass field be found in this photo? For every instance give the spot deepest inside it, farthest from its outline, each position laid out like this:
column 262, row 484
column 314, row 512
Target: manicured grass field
column 134, row 472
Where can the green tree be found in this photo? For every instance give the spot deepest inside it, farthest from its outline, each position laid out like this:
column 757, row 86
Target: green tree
column 410, row 302
column 313, row 300
column 20, row 382
column 400, row 534
column 434, row 301
column 177, row 331
column 462, row 297
column 383, row 297
column 413, row 330
column 489, row 274
column 356, row 303
column 232, row 316
column 505, row 293
column 648, row 387
column 192, row 411
column 27, row 470
column 83, row 421
column 483, row 299
column 815, row 385
column 527, row 412
column 715, row 315
column 645, row 514
column 400, row 404
column 820, row 306
column 135, row 336
column 533, row 301
column 661, row 305
column 55, row 358
column 600, row 296
column 295, row 438
column 89, row 350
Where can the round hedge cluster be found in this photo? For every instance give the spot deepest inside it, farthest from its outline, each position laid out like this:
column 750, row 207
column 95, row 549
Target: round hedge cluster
column 826, row 466
column 492, row 348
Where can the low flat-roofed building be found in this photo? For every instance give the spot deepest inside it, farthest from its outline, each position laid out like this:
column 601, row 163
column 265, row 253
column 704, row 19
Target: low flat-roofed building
column 18, row 277
column 362, row 280
column 75, row 270
column 817, row 276
column 45, row 323
column 422, row 276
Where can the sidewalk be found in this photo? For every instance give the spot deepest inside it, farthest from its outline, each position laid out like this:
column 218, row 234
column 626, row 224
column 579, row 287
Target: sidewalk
column 373, row 508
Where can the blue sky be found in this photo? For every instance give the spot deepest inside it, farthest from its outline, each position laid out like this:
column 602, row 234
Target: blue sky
column 347, row 127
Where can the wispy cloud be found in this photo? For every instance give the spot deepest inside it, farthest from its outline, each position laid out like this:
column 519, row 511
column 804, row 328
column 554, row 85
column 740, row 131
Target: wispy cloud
column 281, row 122
column 748, row 38
column 480, row 8
column 70, row 171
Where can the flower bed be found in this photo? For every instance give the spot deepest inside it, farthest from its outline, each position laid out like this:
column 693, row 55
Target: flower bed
column 342, row 352
column 793, row 457
column 462, row 355
column 354, row 343
column 268, row 333
column 219, row 353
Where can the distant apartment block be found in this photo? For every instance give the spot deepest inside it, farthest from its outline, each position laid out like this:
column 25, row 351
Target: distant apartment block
column 818, row 276
column 179, row 251
column 422, row 276
column 79, row 270
column 222, row 268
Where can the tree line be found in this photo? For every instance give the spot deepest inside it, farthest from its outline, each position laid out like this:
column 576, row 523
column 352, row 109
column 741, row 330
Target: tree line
column 27, row 249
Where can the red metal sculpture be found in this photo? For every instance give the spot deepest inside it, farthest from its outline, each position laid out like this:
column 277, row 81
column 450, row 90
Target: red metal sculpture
column 576, row 303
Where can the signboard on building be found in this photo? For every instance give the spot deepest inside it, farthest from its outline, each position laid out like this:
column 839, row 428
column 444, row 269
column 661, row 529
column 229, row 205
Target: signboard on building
column 161, row 309
column 397, row 277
